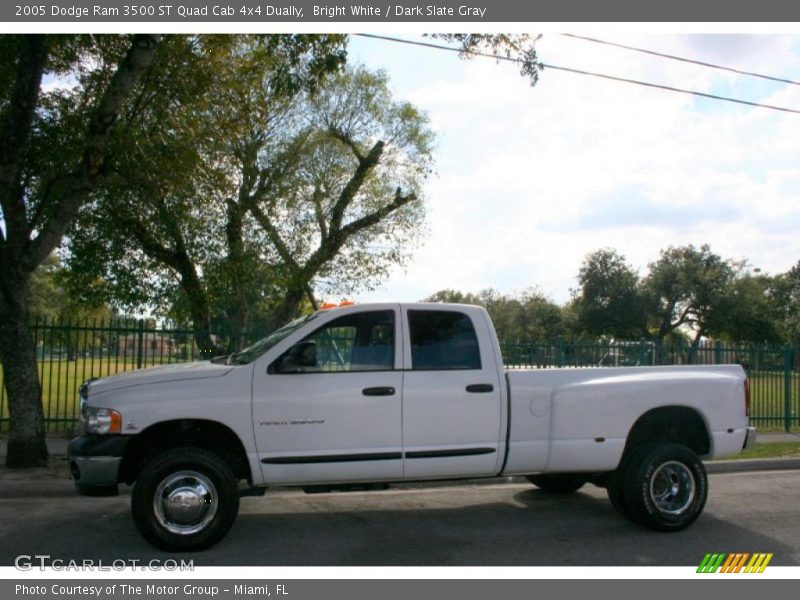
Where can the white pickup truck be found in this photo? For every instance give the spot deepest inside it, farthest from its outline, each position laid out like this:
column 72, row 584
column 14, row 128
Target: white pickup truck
column 382, row 393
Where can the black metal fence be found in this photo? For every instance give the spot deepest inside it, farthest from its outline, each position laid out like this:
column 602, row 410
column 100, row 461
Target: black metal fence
column 69, row 353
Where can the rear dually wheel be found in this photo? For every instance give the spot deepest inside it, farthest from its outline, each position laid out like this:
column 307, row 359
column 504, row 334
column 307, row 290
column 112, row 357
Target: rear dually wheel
column 664, row 487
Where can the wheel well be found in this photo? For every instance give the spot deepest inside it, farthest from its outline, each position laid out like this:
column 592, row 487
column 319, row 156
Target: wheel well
column 679, row 424
column 209, row 435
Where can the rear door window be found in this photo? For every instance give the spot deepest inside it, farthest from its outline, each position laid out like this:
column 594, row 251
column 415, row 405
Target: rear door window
column 442, row 340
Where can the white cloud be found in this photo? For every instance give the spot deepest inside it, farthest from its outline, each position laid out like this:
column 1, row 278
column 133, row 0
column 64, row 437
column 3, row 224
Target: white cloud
column 532, row 179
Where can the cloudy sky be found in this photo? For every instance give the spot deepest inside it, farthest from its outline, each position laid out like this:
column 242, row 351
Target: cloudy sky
column 531, row 179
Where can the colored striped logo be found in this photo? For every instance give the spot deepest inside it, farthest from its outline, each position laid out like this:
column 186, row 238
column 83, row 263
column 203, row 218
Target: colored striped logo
column 738, row 562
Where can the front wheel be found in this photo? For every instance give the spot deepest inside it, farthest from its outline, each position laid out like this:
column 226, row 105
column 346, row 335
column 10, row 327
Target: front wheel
column 561, row 483
column 665, row 487
column 185, row 499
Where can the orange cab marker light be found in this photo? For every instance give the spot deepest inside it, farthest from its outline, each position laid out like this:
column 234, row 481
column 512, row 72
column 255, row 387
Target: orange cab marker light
column 346, row 303
column 328, row 306
column 116, row 422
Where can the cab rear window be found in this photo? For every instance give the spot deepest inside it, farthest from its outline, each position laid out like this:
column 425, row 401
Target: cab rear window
column 442, row 340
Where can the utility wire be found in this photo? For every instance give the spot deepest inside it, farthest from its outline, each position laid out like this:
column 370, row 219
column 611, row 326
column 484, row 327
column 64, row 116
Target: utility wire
column 581, row 72
column 681, row 59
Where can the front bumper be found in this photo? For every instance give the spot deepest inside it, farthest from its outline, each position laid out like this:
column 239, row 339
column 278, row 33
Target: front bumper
column 94, row 462
column 750, row 438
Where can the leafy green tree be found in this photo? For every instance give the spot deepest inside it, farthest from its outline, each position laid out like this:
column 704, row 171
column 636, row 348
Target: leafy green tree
column 350, row 206
column 784, row 299
column 309, row 186
column 170, row 228
column 747, row 312
column 54, row 150
column 689, row 288
column 609, row 300
column 51, row 303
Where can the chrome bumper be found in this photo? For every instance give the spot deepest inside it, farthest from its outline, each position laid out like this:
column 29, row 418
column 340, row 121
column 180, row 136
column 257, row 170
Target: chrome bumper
column 750, row 438
column 95, row 470
column 94, row 463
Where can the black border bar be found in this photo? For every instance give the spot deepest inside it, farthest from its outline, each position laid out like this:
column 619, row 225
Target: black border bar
column 406, row 11
column 369, row 456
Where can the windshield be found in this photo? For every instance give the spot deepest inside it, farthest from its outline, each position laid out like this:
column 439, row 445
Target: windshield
column 255, row 350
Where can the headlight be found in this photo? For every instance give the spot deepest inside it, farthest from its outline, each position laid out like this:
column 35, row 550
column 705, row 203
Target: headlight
column 100, row 420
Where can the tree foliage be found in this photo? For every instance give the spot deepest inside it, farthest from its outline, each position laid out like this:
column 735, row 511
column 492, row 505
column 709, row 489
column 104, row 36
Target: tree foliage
column 784, row 297
column 520, row 48
column 173, row 216
column 689, row 293
column 350, row 207
column 241, row 196
column 689, row 286
column 609, row 300
column 526, row 316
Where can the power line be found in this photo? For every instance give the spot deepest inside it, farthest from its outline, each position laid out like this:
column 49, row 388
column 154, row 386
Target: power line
column 581, row 72
column 681, row 59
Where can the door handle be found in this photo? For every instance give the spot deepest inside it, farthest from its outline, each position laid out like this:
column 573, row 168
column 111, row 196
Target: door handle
column 480, row 388
column 378, row 391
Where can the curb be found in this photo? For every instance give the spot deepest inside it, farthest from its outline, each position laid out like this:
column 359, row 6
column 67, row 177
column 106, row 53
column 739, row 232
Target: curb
column 753, row 464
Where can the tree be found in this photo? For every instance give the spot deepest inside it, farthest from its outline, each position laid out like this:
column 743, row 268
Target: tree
column 689, row 288
column 173, row 213
column 53, row 152
column 747, row 312
column 609, row 301
column 349, row 207
column 784, row 299
column 242, row 195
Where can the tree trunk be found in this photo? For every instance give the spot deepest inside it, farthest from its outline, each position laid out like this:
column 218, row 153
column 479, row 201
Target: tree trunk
column 695, row 346
column 198, row 307
column 242, row 319
column 237, row 269
column 289, row 308
column 201, row 320
column 26, row 439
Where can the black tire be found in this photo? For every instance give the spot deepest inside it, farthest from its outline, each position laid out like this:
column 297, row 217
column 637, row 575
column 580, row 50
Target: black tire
column 615, row 487
column 664, row 486
column 561, row 483
column 615, row 492
column 204, row 494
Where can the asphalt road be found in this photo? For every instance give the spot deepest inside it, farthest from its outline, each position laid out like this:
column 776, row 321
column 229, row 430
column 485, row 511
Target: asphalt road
column 495, row 524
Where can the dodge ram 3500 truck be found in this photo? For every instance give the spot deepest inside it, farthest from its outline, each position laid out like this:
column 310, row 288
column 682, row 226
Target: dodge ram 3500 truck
column 382, row 393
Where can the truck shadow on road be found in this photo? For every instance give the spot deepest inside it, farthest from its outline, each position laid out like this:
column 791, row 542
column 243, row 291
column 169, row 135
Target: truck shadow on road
column 470, row 525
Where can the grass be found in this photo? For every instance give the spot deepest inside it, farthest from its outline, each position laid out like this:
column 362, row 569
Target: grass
column 769, row 450
column 60, row 380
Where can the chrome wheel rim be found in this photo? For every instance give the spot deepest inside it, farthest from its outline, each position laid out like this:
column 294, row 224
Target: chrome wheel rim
column 672, row 488
column 185, row 502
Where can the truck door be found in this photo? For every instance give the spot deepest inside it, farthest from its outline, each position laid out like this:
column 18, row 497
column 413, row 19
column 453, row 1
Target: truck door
column 329, row 408
column 451, row 396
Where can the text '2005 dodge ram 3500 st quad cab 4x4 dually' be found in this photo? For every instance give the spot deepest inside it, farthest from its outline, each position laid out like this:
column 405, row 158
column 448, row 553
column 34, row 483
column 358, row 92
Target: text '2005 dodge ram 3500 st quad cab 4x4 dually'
column 383, row 393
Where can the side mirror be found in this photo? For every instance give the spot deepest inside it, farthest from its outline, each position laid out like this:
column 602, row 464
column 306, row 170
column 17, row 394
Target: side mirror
column 301, row 356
